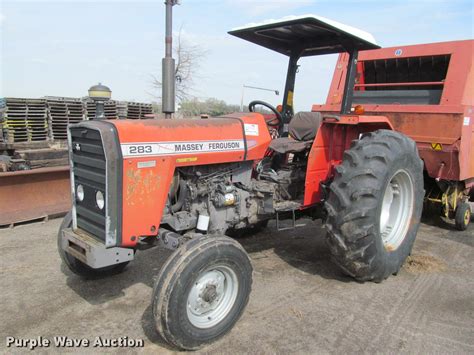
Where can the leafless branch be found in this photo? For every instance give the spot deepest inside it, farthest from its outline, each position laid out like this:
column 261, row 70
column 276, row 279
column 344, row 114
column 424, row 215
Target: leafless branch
column 188, row 58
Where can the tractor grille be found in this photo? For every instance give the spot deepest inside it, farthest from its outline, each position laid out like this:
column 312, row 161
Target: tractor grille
column 89, row 170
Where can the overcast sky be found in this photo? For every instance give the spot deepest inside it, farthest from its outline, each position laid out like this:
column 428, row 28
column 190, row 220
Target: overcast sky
column 63, row 47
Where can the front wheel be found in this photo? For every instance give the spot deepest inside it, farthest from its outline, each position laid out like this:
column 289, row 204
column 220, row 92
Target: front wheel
column 374, row 206
column 201, row 291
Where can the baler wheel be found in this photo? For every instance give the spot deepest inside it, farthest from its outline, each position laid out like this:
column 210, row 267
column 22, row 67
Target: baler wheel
column 77, row 266
column 462, row 217
column 201, row 291
column 374, row 205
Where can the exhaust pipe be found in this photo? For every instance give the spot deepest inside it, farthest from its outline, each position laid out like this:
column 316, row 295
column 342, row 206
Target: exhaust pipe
column 168, row 65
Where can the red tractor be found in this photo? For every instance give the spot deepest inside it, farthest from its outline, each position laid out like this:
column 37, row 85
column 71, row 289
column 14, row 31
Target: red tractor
column 187, row 185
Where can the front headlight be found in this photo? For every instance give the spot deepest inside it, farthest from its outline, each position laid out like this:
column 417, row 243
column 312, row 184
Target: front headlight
column 99, row 199
column 80, row 192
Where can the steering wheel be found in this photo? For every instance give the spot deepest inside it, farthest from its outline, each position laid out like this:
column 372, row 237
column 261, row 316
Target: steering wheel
column 275, row 123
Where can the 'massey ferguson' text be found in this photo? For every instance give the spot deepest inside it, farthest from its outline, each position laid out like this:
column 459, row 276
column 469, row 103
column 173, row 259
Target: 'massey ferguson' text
column 172, row 148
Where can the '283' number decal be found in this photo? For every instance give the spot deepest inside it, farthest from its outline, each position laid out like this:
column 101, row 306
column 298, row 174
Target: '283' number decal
column 140, row 149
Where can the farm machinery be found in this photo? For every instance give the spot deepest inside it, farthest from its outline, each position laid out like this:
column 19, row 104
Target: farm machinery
column 427, row 93
column 189, row 185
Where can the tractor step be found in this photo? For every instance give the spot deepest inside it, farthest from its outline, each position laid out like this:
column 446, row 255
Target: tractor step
column 285, row 208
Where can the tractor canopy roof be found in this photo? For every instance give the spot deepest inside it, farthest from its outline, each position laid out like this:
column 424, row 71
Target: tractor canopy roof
column 306, row 35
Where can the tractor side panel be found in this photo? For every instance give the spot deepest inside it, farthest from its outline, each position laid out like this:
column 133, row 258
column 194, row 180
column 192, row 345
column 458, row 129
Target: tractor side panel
column 438, row 137
column 145, row 190
column 427, row 127
column 471, row 154
column 466, row 154
column 153, row 149
column 326, row 153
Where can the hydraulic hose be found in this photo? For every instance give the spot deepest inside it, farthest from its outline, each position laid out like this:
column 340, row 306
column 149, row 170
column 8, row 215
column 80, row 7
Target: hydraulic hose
column 182, row 194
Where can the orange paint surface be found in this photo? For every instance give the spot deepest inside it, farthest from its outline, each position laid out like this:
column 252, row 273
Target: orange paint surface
column 147, row 179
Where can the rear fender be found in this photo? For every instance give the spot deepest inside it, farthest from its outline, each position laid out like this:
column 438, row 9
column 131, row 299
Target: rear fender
column 334, row 137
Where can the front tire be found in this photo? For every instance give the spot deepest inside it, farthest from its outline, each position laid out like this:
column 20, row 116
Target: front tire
column 462, row 217
column 374, row 205
column 77, row 266
column 201, row 291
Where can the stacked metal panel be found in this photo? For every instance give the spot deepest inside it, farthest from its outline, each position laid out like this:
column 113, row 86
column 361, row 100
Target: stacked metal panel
column 147, row 109
column 138, row 110
column 15, row 124
column 133, row 110
column 75, row 110
column 25, row 120
column 29, row 120
column 122, row 110
column 37, row 118
column 110, row 108
column 61, row 112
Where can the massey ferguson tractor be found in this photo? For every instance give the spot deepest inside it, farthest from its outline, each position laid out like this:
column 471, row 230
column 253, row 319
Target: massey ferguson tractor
column 189, row 184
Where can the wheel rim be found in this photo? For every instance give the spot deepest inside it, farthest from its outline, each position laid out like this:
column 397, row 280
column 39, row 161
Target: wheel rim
column 212, row 296
column 397, row 209
column 467, row 217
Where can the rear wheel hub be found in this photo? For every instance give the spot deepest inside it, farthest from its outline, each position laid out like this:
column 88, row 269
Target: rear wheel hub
column 397, row 209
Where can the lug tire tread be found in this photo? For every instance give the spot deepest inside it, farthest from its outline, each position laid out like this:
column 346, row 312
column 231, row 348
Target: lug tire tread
column 168, row 277
column 352, row 223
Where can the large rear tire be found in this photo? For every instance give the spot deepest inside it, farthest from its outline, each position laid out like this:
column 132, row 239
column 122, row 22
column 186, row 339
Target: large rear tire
column 374, row 205
column 77, row 266
column 201, row 291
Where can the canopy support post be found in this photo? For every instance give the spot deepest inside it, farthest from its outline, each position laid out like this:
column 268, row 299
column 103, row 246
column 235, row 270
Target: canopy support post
column 346, row 104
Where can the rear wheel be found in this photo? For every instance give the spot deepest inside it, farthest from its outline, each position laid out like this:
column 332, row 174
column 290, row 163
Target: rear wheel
column 462, row 216
column 77, row 266
column 201, row 291
column 374, row 206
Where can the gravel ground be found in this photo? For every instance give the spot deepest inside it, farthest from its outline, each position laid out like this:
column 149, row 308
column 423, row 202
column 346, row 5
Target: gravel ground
column 300, row 301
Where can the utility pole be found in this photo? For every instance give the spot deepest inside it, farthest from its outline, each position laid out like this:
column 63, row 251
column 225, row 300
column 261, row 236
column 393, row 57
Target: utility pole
column 256, row 88
column 168, row 65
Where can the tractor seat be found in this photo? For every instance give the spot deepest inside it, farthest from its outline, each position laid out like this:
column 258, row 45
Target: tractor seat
column 302, row 131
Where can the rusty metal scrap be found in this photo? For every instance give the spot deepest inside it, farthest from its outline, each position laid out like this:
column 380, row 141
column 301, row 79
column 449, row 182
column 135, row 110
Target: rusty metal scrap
column 33, row 194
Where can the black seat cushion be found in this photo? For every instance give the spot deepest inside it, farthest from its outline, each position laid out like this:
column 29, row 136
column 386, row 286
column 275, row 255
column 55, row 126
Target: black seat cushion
column 289, row 145
column 302, row 131
column 304, row 125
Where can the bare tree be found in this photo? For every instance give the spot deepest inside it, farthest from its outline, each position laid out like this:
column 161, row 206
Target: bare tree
column 188, row 58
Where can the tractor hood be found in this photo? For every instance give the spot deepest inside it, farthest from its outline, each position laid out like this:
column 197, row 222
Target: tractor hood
column 234, row 137
column 308, row 35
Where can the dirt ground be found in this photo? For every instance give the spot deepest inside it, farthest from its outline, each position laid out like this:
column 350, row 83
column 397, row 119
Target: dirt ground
column 300, row 301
